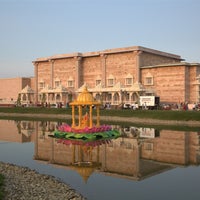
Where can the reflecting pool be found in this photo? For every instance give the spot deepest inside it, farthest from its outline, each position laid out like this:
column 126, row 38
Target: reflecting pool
column 143, row 163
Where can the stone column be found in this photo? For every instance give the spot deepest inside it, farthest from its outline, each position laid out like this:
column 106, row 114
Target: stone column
column 36, row 157
column 36, row 81
column 73, row 154
column 98, row 116
column 73, row 116
column 187, row 86
column 80, row 115
column 52, row 160
column 103, row 68
column 138, row 147
column 104, row 157
column 78, row 72
column 138, row 64
column 90, row 116
column 52, row 73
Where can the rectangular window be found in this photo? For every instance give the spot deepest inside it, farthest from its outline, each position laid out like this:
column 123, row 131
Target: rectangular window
column 129, row 81
column 57, row 83
column 70, row 83
column 41, row 85
column 149, row 81
column 98, row 82
column 110, row 82
column 148, row 146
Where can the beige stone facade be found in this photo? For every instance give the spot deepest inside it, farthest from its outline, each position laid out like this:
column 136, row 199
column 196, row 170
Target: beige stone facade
column 114, row 76
column 117, row 76
column 177, row 82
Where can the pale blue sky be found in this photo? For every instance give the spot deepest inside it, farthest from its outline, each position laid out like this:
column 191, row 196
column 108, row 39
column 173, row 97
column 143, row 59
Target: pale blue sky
column 30, row 29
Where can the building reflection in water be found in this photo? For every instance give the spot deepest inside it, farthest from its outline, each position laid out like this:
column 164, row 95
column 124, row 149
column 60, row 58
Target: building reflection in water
column 17, row 131
column 139, row 152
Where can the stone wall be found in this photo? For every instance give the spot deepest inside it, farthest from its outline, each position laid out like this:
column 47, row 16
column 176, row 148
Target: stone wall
column 169, row 82
column 44, row 73
column 63, row 70
column 193, row 87
column 173, row 83
column 149, row 59
column 119, row 65
column 91, row 70
column 10, row 88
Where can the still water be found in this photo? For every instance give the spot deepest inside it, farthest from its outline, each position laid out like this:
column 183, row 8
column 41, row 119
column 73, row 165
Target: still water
column 143, row 163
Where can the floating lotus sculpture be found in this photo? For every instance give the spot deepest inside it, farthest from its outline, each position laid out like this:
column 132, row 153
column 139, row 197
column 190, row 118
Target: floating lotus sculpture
column 86, row 130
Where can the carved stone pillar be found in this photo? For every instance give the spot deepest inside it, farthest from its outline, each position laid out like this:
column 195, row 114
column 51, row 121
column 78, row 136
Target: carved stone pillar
column 52, row 73
column 138, row 63
column 78, row 72
column 35, row 156
column 103, row 68
column 36, row 81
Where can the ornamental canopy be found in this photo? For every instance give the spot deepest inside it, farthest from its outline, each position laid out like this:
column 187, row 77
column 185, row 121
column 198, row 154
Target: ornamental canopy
column 85, row 98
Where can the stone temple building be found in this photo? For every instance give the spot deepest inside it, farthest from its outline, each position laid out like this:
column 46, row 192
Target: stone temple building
column 113, row 76
column 117, row 76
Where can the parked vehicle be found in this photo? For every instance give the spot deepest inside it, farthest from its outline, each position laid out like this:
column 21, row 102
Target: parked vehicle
column 134, row 106
column 149, row 102
column 126, row 106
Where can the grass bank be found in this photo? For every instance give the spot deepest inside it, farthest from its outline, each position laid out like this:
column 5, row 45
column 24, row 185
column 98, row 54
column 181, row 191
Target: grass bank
column 142, row 114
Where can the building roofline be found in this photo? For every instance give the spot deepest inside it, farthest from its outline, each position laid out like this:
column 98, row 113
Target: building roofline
column 171, row 65
column 108, row 51
column 157, row 52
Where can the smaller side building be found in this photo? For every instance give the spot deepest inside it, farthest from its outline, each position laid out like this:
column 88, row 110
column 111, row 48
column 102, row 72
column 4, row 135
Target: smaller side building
column 10, row 89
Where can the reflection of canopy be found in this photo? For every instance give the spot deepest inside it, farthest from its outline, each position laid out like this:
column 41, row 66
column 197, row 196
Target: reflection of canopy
column 85, row 169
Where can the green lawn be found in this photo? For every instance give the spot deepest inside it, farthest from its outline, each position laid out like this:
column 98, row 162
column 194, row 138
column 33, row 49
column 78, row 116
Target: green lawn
column 153, row 114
